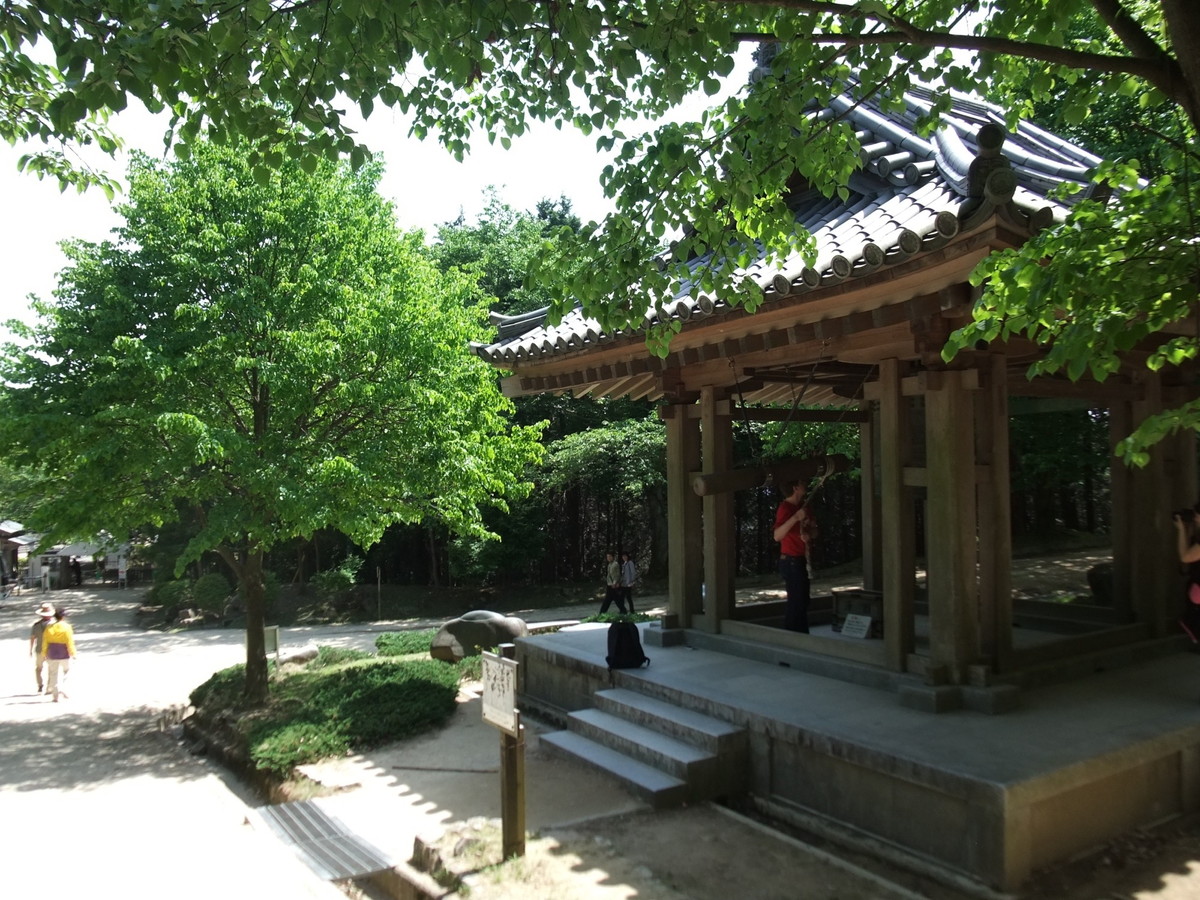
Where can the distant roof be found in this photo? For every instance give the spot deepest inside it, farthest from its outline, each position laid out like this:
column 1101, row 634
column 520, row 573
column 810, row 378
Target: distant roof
column 911, row 196
column 9, row 527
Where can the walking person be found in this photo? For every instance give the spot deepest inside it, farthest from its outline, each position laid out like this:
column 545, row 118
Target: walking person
column 628, row 580
column 795, row 528
column 58, row 643
column 45, row 614
column 612, row 584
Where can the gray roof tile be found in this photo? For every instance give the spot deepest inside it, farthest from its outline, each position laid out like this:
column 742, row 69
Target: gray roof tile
column 911, row 195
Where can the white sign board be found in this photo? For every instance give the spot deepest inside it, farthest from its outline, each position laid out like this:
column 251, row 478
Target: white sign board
column 500, row 693
column 856, row 626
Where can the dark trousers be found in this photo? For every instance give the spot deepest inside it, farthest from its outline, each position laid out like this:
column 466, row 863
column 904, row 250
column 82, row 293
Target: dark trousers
column 794, row 570
column 612, row 595
column 627, row 596
column 1190, row 620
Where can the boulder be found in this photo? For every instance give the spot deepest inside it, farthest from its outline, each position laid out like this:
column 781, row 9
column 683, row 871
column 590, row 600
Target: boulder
column 298, row 655
column 471, row 632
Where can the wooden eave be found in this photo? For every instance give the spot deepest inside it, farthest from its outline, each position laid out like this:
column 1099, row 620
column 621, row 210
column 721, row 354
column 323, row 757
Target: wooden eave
column 861, row 320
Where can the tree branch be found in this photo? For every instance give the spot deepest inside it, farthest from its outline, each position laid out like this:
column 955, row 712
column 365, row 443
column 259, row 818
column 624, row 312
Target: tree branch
column 1162, row 73
column 1148, row 60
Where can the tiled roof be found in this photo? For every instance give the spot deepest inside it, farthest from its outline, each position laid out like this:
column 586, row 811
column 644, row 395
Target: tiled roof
column 911, row 195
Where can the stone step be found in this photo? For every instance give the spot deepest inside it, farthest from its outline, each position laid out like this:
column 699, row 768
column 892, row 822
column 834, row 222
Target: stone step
column 695, row 728
column 654, row 786
column 681, row 760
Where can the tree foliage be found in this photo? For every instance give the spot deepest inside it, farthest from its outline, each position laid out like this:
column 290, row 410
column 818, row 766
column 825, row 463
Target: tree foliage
column 268, row 359
column 461, row 69
column 498, row 249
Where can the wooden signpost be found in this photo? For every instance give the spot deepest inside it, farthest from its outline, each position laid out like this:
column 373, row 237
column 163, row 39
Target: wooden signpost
column 500, row 710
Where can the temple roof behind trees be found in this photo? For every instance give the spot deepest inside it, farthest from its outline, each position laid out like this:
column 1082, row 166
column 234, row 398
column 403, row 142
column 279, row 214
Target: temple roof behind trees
column 912, row 200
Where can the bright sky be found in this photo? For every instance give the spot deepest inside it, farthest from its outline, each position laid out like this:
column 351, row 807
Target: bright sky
column 426, row 184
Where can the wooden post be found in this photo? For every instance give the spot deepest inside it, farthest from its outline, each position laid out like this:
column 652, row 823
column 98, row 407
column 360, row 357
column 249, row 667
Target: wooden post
column 897, row 546
column 716, row 439
column 952, row 541
column 1155, row 563
column 995, row 517
column 500, row 677
column 512, row 792
column 685, row 545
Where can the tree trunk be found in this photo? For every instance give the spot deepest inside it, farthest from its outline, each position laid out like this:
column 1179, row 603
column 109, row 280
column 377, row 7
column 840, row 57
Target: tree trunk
column 248, row 567
column 434, row 579
column 1183, row 25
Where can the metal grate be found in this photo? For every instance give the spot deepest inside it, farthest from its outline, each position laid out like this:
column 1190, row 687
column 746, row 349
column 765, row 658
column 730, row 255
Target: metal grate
column 323, row 842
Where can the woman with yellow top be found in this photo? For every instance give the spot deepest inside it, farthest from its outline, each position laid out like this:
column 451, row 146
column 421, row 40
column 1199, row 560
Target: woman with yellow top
column 58, row 646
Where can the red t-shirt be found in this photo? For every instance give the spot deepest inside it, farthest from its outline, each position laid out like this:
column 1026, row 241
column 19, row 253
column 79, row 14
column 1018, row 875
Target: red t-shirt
column 793, row 542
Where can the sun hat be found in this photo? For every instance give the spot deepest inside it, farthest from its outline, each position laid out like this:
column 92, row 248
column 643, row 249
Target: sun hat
column 46, row 610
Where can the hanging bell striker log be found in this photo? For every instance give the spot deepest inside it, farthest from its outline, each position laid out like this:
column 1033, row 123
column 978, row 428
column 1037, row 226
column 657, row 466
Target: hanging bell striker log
column 777, row 472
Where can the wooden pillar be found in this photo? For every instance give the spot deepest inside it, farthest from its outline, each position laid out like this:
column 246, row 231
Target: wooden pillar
column 1154, row 565
column 872, row 548
column 716, row 438
column 685, row 548
column 995, row 516
column 897, row 543
column 952, row 543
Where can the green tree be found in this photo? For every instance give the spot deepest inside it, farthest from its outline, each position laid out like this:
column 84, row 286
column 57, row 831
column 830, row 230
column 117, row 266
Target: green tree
column 270, row 357
column 606, row 488
column 459, row 68
column 498, row 249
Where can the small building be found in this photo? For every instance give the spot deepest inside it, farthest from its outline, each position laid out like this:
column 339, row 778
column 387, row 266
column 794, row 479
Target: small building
column 861, row 329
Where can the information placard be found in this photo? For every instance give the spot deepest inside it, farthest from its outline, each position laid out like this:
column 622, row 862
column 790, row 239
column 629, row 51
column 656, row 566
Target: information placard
column 856, row 626
column 500, row 693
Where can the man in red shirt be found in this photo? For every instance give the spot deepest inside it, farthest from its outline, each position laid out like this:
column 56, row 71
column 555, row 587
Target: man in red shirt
column 795, row 527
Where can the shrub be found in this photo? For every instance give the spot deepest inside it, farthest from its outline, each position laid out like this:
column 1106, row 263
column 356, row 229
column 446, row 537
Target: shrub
column 210, row 592
column 335, row 585
column 223, row 690
column 470, row 668
column 172, row 593
column 320, row 712
column 280, row 749
column 404, row 643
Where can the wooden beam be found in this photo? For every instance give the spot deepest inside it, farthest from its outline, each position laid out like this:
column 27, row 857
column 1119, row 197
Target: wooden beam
column 777, row 414
column 706, row 483
column 1102, row 393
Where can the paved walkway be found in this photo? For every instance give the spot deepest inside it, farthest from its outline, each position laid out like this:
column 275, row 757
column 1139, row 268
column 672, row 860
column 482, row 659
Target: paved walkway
column 91, row 785
column 98, row 785
column 96, row 801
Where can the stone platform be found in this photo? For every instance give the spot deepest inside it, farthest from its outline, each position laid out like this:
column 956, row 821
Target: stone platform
column 989, row 798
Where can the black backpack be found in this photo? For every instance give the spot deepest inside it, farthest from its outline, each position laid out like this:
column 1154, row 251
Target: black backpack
column 625, row 647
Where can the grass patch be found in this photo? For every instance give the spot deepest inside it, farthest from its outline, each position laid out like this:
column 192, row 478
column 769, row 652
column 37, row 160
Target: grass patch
column 343, row 701
column 404, row 643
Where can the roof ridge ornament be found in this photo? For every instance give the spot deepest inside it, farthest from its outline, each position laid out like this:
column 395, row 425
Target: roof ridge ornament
column 991, row 181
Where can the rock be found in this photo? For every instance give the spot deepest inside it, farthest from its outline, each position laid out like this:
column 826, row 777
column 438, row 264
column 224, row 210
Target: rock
column 298, row 655
column 473, row 631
